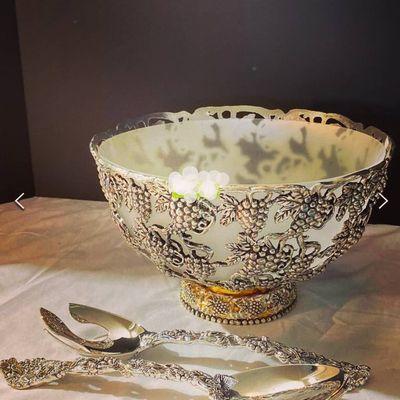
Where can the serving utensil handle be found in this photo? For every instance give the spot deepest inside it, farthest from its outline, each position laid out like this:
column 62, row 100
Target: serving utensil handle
column 38, row 371
column 356, row 374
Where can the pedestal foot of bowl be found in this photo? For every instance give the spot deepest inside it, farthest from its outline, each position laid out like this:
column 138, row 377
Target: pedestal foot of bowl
column 249, row 307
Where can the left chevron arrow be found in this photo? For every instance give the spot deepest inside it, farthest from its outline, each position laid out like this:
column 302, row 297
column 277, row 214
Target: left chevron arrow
column 18, row 203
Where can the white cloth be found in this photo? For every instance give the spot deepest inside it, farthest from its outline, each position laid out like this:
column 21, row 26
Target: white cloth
column 59, row 251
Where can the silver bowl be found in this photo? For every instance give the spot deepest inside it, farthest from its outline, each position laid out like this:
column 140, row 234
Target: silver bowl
column 302, row 187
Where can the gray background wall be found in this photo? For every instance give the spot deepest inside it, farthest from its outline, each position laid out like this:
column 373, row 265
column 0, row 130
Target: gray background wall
column 89, row 64
column 15, row 163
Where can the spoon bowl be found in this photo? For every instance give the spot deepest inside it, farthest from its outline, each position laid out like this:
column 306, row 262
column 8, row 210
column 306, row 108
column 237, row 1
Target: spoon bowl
column 295, row 381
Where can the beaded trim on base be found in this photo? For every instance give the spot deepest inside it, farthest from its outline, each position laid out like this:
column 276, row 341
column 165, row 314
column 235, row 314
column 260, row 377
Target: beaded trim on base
column 226, row 321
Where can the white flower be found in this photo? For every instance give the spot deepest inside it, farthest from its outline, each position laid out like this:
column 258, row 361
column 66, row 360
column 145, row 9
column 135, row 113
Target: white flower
column 220, row 178
column 184, row 185
column 192, row 184
column 208, row 189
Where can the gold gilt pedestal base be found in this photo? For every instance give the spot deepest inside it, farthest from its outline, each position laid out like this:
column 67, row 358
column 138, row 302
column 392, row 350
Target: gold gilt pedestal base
column 249, row 307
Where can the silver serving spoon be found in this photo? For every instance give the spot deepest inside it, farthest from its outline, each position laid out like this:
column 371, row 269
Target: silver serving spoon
column 289, row 382
column 126, row 338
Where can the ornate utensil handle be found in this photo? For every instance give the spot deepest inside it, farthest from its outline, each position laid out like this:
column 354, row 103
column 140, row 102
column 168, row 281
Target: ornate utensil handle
column 356, row 375
column 38, row 371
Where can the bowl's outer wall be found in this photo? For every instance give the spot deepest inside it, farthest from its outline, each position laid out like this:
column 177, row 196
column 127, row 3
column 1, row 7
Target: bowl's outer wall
column 260, row 237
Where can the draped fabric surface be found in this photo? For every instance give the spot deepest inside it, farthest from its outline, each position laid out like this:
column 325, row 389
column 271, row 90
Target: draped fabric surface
column 59, row 251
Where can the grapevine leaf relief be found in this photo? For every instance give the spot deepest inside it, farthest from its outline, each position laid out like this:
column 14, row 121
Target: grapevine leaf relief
column 265, row 262
column 161, row 195
column 290, row 203
column 352, row 200
column 177, row 249
column 228, row 209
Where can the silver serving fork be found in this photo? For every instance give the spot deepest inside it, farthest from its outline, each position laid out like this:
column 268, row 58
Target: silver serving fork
column 126, row 338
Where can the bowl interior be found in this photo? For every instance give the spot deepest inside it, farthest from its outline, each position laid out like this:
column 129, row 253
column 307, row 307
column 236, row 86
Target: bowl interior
column 251, row 151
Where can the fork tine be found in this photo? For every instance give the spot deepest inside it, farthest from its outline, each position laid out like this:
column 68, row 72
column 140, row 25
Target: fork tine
column 57, row 328
column 116, row 325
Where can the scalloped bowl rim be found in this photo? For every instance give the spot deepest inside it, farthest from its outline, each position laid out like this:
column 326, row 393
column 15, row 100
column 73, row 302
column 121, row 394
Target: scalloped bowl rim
column 383, row 138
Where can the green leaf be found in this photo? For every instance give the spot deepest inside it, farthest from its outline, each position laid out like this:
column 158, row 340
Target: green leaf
column 176, row 195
